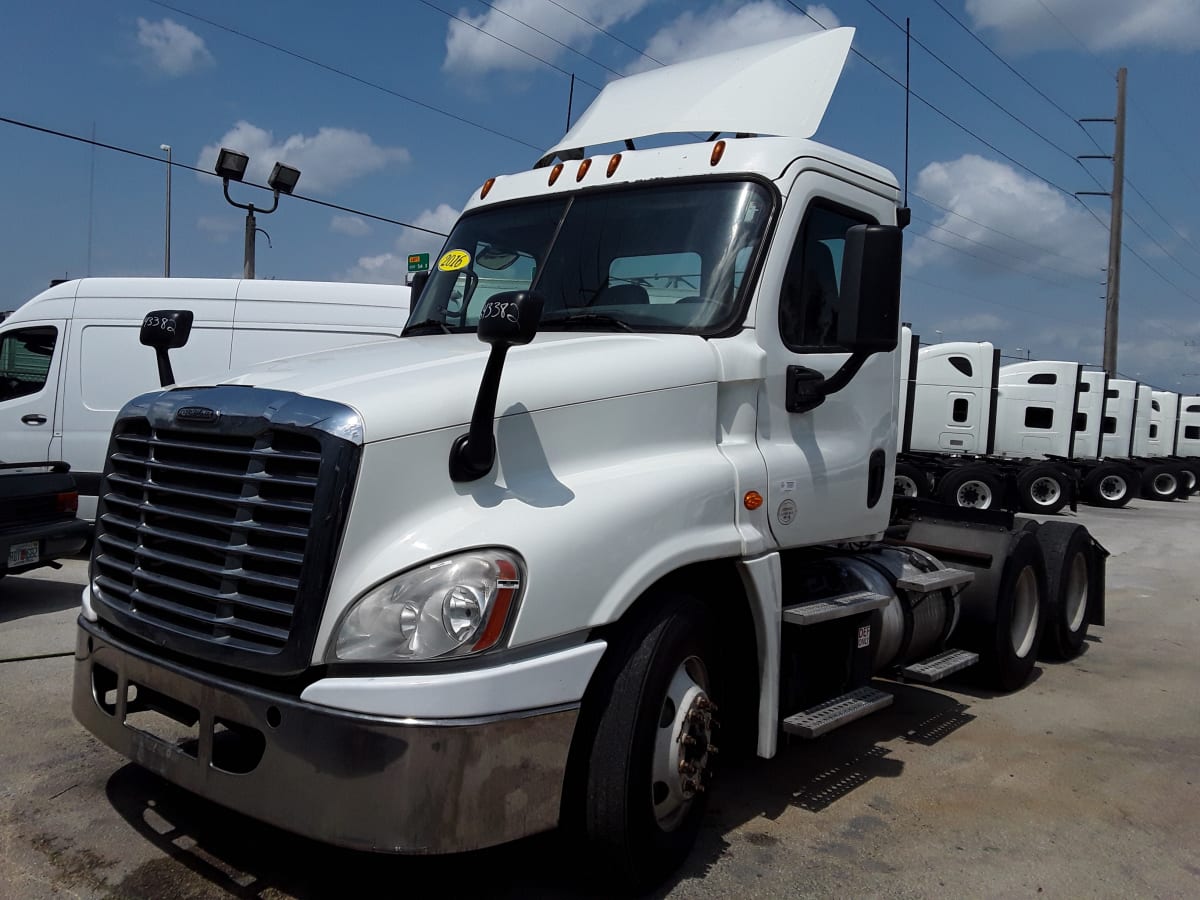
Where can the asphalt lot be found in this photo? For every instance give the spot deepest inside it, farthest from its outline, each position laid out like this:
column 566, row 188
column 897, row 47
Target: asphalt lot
column 1085, row 783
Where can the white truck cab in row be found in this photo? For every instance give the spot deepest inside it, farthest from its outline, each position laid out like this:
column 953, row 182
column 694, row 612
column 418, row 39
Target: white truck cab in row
column 70, row 358
column 435, row 594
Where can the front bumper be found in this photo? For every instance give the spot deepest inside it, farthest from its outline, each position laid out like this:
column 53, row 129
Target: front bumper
column 361, row 781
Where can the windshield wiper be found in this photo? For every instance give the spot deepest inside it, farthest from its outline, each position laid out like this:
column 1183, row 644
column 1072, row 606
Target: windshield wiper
column 588, row 319
column 428, row 323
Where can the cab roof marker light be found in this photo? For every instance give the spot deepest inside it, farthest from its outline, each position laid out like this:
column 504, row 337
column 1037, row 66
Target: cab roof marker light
column 717, row 152
column 613, row 163
column 487, row 186
column 583, row 169
column 555, row 172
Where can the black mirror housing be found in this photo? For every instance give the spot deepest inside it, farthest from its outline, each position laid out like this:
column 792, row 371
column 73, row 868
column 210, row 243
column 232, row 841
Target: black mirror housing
column 166, row 329
column 869, row 315
column 510, row 318
column 419, row 280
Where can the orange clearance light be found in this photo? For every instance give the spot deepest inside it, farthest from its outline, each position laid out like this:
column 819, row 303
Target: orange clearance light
column 718, row 152
column 487, row 186
column 613, row 163
column 753, row 500
column 583, row 169
column 555, row 172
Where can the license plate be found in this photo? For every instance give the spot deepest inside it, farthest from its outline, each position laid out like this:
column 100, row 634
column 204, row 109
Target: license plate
column 22, row 554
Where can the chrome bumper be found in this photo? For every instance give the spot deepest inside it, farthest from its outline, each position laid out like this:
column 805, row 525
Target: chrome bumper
column 360, row 781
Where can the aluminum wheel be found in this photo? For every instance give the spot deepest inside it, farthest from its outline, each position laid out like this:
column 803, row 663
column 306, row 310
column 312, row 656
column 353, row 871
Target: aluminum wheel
column 974, row 495
column 682, row 743
column 904, row 487
column 1023, row 629
column 1075, row 598
column 1165, row 484
column 1113, row 488
column 1045, row 491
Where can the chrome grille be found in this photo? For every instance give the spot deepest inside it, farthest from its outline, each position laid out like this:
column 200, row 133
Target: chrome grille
column 219, row 543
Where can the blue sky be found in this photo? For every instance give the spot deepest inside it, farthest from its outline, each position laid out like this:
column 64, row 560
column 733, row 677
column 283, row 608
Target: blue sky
column 1017, row 260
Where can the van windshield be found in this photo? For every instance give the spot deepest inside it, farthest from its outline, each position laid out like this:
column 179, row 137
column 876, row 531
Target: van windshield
column 665, row 258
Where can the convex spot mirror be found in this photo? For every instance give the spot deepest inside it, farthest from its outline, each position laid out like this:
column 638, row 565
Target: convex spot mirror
column 869, row 314
column 166, row 329
column 510, row 318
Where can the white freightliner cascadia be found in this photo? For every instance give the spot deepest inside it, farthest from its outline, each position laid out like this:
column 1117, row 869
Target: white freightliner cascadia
column 435, row 594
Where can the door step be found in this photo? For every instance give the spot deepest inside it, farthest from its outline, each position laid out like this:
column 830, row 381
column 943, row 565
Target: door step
column 815, row 611
column 824, row 717
column 915, row 581
column 938, row 667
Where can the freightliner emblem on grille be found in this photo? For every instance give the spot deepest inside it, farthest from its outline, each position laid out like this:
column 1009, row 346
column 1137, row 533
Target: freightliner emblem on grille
column 200, row 415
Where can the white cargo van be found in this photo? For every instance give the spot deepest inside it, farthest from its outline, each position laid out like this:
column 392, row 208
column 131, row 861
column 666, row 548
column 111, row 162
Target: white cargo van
column 70, row 358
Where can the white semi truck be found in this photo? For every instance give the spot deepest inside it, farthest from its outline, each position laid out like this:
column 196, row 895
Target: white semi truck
column 1032, row 435
column 431, row 595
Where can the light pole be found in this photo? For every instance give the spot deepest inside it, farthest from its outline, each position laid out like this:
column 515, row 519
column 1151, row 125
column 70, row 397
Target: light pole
column 231, row 165
column 939, row 336
column 167, row 249
column 1028, row 353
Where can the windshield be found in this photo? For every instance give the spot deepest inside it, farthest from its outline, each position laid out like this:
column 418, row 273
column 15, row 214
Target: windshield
column 665, row 258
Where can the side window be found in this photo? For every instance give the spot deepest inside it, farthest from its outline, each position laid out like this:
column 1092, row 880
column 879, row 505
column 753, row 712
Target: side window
column 1112, row 393
column 1154, row 432
column 808, row 308
column 1154, row 406
column 1043, row 378
column 959, row 413
column 1192, row 432
column 1084, row 387
column 962, row 364
column 1193, row 407
column 1039, row 417
column 1110, row 424
column 25, row 356
column 1081, row 421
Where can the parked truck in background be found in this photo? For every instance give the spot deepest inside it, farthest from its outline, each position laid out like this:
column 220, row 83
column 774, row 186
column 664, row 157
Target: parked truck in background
column 432, row 595
column 38, row 501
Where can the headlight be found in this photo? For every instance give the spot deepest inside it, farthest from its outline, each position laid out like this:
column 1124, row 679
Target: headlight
column 452, row 607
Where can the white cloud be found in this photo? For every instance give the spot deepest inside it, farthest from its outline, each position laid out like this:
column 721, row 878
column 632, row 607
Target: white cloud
column 220, row 228
column 729, row 25
column 354, row 226
column 392, row 267
column 326, row 160
column 1028, row 25
column 174, row 49
column 469, row 51
column 1053, row 231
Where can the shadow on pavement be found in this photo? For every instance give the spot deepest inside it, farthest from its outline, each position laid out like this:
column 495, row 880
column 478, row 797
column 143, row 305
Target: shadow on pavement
column 22, row 596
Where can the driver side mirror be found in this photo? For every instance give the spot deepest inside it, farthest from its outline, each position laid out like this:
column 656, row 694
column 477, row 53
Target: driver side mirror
column 166, row 329
column 869, row 311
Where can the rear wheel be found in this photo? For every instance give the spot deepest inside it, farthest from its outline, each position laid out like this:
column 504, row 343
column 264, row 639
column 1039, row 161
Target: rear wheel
column 910, row 481
column 1109, row 486
column 1160, row 483
column 648, row 749
column 1011, row 650
column 1043, row 489
column 972, row 487
column 1187, row 472
column 1069, row 587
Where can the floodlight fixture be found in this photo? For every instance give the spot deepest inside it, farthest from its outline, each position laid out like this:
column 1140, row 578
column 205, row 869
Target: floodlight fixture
column 231, row 165
column 283, row 178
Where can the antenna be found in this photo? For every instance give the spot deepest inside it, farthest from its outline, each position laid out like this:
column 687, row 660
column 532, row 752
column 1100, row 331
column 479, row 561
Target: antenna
column 907, row 91
column 570, row 101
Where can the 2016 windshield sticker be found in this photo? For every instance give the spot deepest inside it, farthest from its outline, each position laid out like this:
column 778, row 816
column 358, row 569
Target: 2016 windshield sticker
column 453, row 260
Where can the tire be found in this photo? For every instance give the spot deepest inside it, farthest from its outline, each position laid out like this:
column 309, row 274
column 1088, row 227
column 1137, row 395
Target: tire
column 1070, row 588
column 1109, row 486
column 1043, row 489
column 1160, row 483
column 640, row 813
column 1187, row 472
column 974, row 487
column 1009, row 653
column 910, row 481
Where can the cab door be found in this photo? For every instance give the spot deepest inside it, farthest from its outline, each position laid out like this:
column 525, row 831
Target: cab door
column 30, row 360
column 830, row 469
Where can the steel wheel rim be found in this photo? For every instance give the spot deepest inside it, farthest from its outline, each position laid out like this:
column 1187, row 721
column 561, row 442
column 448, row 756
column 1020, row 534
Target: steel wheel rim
column 1112, row 487
column 1165, row 483
column 1023, row 628
column 904, row 486
column 1045, row 490
column 682, row 743
column 1189, row 480
column 1076, row 597
column 974, row 494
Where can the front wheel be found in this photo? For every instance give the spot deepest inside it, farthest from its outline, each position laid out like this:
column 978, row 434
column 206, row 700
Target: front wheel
column 650, row 734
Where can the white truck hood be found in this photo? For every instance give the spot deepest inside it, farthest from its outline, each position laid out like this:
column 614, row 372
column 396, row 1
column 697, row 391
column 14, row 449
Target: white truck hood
column 419, row 384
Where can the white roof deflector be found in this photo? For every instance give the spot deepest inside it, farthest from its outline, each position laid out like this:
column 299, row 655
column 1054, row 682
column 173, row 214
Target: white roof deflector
column 779, row 88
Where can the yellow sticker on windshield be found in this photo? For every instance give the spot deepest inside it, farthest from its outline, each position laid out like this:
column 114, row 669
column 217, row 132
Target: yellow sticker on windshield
column 453, row 260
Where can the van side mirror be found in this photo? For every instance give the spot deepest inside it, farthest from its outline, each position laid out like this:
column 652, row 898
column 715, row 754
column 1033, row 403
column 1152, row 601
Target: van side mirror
column 869, row 311
column 166, row 329
column 415, row 287
column 507, row 320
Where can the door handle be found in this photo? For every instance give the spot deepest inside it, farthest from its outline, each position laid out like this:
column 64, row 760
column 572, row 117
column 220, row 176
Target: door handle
column 34, row 419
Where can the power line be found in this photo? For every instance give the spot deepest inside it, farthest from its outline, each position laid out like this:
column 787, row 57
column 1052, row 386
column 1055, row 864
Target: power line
column 962, row 294
column 593, row 25
column 1133, row 187
column 343, row 73
column 162, row 162
column 548, row 37
column 989, row 261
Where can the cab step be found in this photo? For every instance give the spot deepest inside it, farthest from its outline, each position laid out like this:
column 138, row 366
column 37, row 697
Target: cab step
column 915, row 581
column 816, row 611
column 938, row 667
column 824, row 717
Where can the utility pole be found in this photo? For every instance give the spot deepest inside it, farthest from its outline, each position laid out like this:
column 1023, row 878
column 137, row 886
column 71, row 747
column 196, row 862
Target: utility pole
column 1112, row 296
